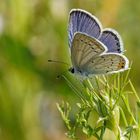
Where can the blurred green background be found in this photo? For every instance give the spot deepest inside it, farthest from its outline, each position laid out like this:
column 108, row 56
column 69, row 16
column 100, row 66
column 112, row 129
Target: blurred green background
column 33, row 31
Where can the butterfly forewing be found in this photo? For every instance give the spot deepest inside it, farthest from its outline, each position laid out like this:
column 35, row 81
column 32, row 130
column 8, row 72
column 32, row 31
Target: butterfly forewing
column 84, row 48
column 82, row 21
column 106, row 63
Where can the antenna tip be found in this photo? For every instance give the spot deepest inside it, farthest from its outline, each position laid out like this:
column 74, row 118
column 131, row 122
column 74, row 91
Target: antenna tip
column 59, row 76
column 49, row 60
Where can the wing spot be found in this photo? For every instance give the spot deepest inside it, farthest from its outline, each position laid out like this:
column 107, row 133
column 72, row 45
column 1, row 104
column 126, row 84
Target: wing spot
column 96, row 51
column 118, row 49
column 117, row 43
column 116, row 38
column 90, row 44
column 121, row 65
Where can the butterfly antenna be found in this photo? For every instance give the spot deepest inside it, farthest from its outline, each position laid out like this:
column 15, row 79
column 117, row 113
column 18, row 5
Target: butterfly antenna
column 62, row 74
column 54, row 61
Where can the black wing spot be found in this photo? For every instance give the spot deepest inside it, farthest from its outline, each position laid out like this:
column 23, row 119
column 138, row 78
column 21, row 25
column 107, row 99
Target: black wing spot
column 96, row 51
column 118, row 49
column 89, row 44
column 116, row 38
column 118, row 44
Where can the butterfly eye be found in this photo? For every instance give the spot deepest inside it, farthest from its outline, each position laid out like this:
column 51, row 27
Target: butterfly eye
column 71, row 70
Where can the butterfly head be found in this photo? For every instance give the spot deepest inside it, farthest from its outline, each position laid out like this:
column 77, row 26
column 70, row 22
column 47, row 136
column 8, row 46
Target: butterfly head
column 78, row 71
column 72, row 70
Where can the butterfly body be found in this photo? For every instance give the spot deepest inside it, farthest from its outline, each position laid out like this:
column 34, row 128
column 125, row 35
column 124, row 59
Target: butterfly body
column 94, row 50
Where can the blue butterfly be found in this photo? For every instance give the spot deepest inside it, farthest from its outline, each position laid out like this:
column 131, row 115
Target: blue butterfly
column 94, row 50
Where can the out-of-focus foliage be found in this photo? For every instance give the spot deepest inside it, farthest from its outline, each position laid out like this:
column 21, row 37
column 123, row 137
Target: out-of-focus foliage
column 33, row 31
column 104, row 106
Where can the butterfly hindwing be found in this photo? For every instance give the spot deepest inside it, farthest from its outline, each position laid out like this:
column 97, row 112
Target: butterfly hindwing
column 105, row 64
column 112, row 40
column 82, row 21
column 85, row 48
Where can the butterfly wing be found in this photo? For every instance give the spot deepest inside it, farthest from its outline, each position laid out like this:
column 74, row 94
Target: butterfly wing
column 84, row 48
column 82, row 21
column 112, row 40
column 105, row 64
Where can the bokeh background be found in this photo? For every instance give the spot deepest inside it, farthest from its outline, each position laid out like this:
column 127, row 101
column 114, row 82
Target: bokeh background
column 33, row 31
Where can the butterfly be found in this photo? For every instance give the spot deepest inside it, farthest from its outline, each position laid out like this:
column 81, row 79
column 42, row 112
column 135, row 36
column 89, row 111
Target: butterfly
column 94, row 50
